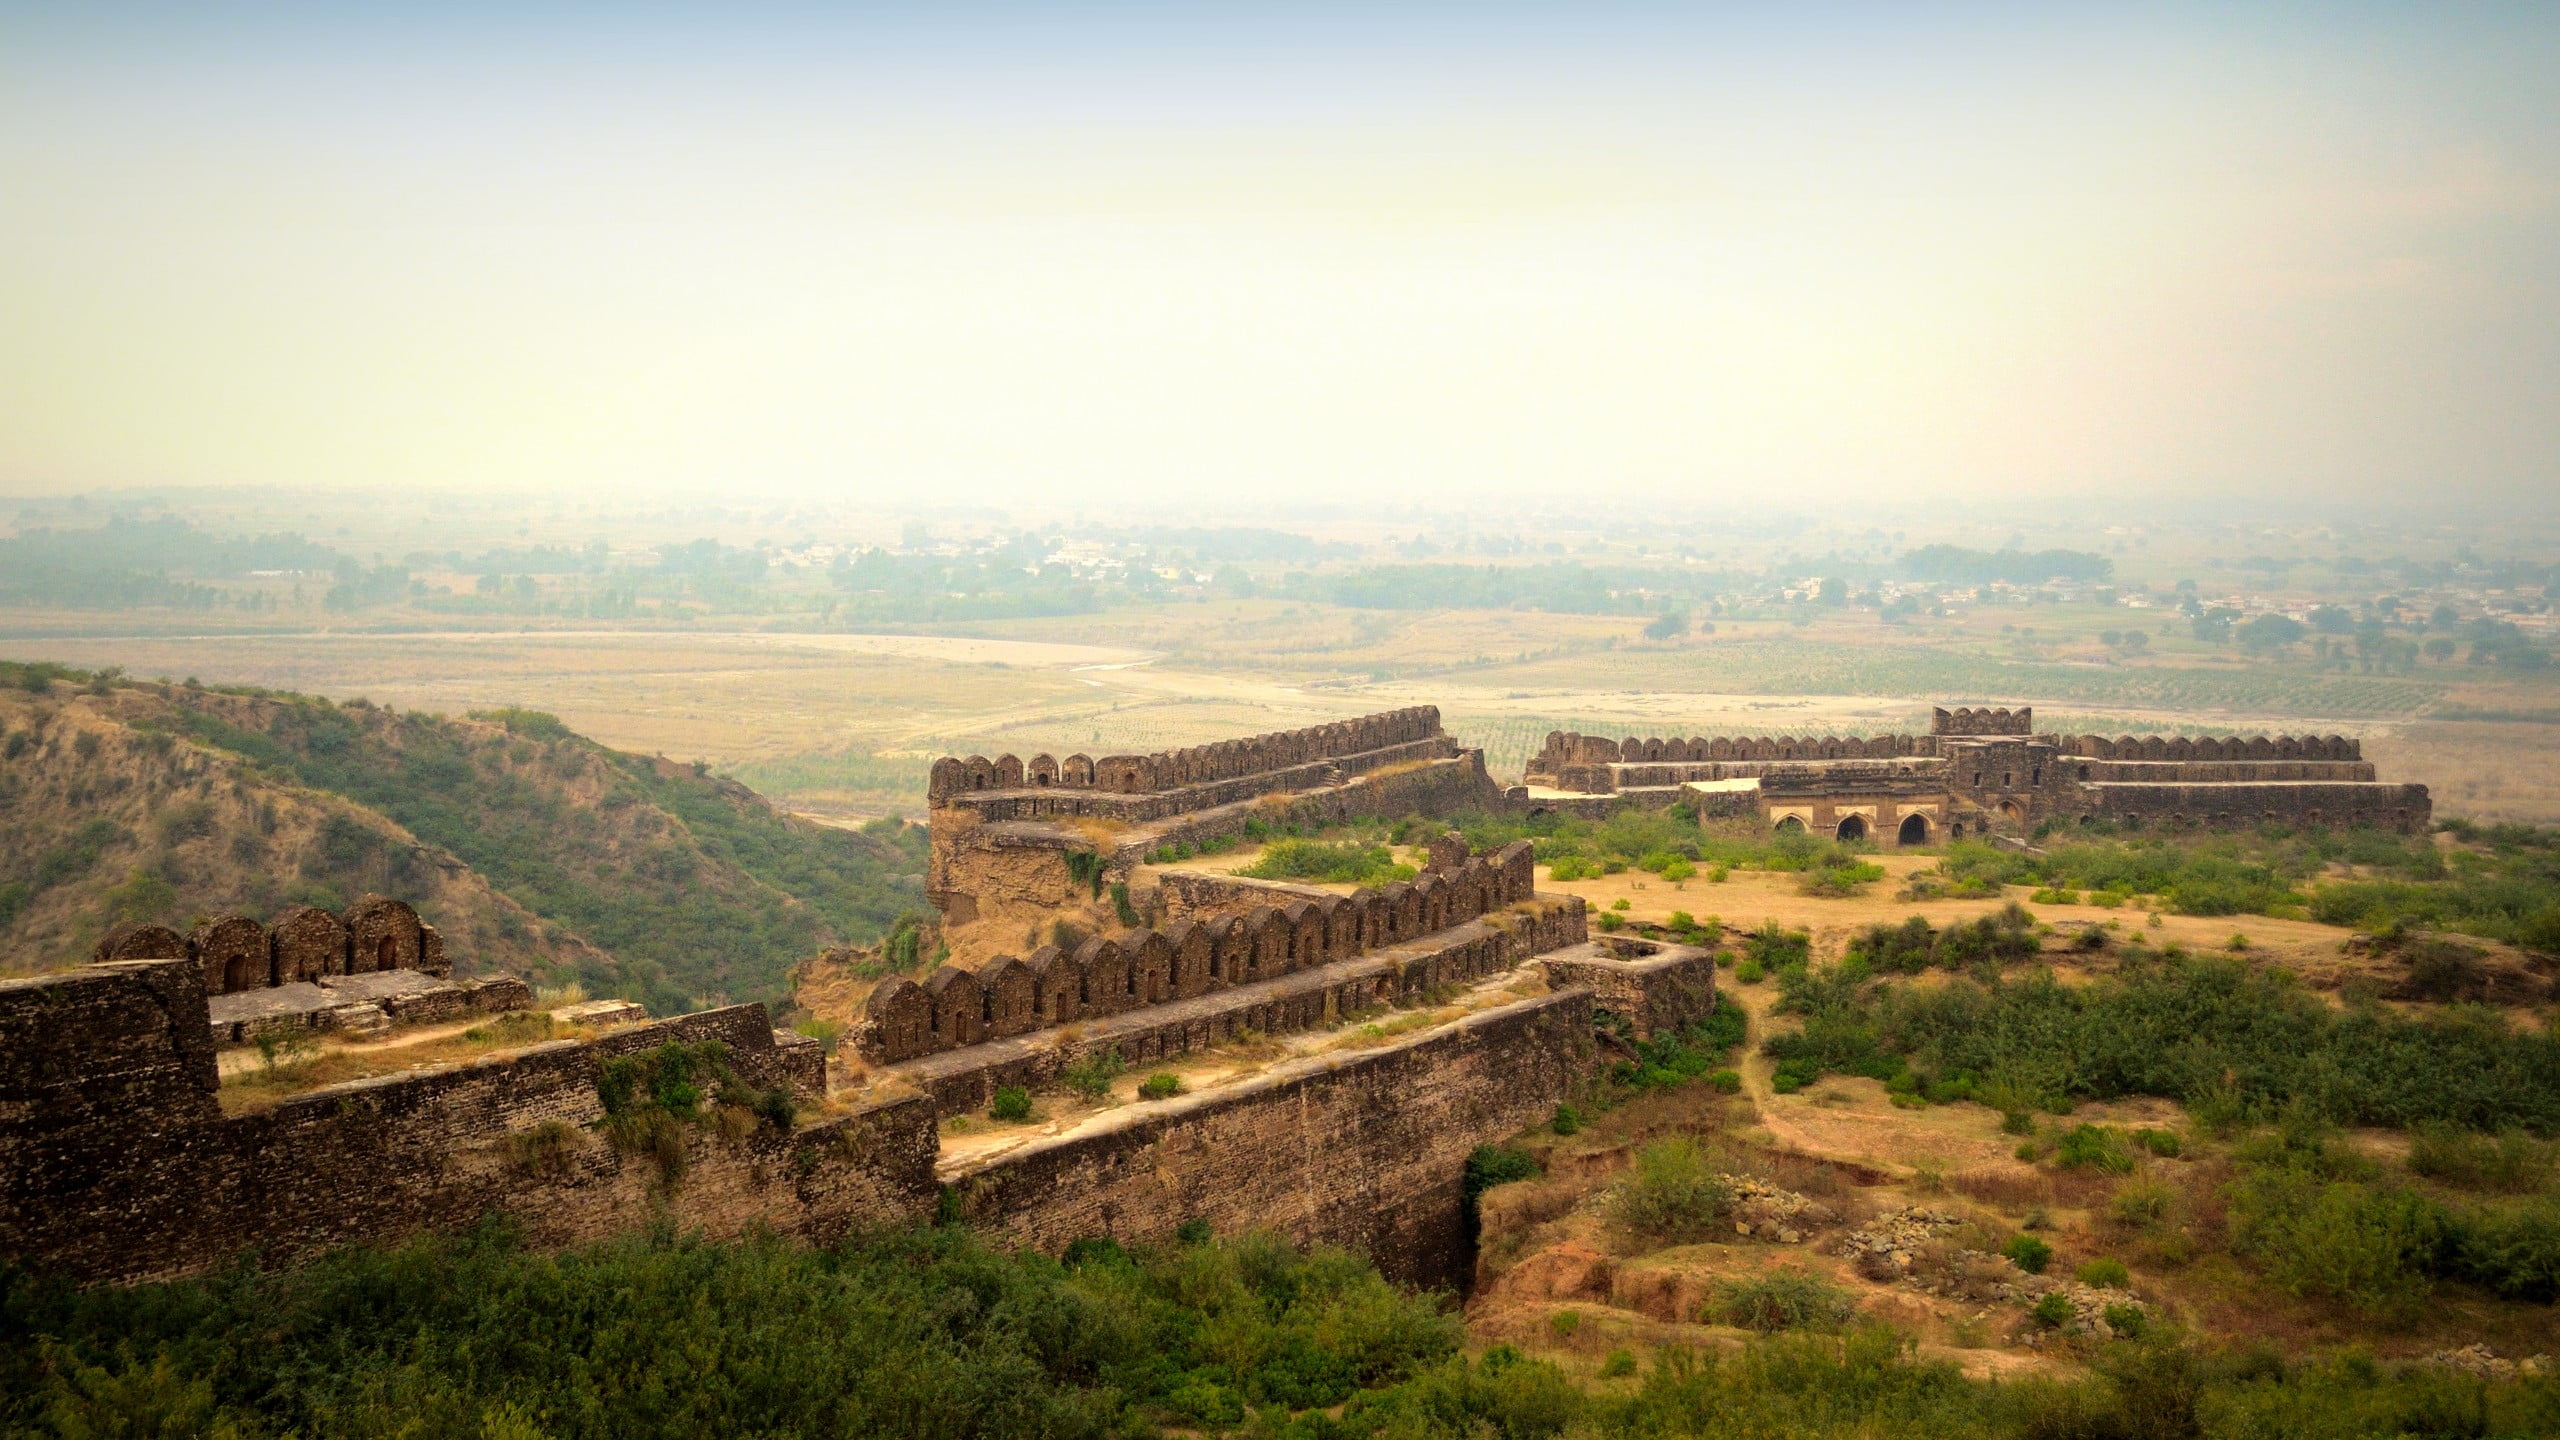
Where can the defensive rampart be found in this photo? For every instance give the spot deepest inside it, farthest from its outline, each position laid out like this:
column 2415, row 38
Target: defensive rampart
column 1363, row 1148
column 1258, row 933
column 967, row 1079
column 117, row 1162
column 1988, row 770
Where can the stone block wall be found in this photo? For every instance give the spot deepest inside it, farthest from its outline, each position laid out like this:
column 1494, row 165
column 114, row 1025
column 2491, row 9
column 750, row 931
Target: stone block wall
column 2403, row 808
column 1249, row 932
column 1200, row 765
column 964, row 1080
column 1656, row 987
column 979, row 866
column 236, row 953
column 116, row 1162
column 1363, row 1148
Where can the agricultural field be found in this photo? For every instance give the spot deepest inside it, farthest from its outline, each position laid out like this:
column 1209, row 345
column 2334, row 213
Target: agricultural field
column 841, row 726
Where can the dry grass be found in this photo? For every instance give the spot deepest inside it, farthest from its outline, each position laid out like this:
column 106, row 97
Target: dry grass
column 297, row 1069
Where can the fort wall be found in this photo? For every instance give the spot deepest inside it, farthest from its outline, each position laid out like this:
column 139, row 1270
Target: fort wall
column 967, row 1079
column 1248, row 932
column 117, row 1162
column 1199, row 767
column 1362, row 1148
column 979, row 868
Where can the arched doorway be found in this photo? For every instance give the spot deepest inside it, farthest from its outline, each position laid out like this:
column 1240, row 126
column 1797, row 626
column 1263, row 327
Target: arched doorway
column 1915, row 830
column 1791, row 826
column 2010, row 812
column 386, row 955
column 1853, row 827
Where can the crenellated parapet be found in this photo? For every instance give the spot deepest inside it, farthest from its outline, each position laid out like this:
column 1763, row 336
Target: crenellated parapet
column 1966, row 721
column 303, row 943
column 953, row 778
column 2182, row 747
column 1249, row 933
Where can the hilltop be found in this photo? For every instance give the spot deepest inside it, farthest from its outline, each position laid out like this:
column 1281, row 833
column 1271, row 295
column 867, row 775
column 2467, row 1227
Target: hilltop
column 535, row 849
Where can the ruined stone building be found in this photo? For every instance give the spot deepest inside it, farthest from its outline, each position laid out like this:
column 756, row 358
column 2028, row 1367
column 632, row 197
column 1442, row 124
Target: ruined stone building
column 1983, row 771
column 1003, row 829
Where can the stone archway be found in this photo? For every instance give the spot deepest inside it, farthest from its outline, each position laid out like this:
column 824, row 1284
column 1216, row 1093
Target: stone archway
column 1915, row 830
column 1791, row 825
column 1853, row 827
column 2011, row 812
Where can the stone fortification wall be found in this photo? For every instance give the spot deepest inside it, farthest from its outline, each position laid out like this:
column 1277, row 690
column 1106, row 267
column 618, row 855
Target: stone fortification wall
column 304, row 944
column 116, row 1161
column 1982, row 721
column 980, row 868
column 2182, row 747
column 1258, row 933
column 1572, row 762
column 2206, row 772
column 967, row 1079
column 1654, row 986
column 1363, row 1148
column 2314, row 804
column 1198, row 767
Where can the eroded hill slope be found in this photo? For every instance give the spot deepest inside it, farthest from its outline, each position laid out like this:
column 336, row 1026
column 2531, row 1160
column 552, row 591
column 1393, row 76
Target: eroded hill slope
column 535, row 849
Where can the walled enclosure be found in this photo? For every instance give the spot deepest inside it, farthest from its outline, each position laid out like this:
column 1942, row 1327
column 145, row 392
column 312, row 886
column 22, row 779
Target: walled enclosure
column 116, row 1163
column 1984, row 769
column 1363, row 1148
column 1004, row 831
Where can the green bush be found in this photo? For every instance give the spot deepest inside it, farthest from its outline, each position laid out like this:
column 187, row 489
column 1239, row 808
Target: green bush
column 2376, row 1249
column 2052, row 1312
column 1345, row 863
column 1163, row 1085
column 2028, row 1253
column 2510, row 1161
column 2106, row 1274
column 2092, row 1146
column 1784, row 1298
column 928, row 1332
column 1727, row 1082
column 1567, row 1121
column 1749, row 972
column 2164, row 1143
column 1012, row 1102
column 1672, row 1195
column 1092, row 1077
column 2130, row 1322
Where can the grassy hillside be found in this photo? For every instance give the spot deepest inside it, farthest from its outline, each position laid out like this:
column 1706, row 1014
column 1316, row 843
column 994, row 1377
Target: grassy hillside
column 536, row 850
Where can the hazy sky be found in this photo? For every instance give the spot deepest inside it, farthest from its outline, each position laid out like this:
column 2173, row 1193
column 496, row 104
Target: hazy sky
column 1272, row 250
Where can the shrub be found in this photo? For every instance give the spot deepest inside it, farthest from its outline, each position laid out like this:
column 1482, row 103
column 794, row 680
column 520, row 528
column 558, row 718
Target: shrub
column 2050, row 895
column 1012, row 1102
column 1785, row 1298
column 1726, row 1081
column 2141, row 1204
column 1092, row 1076
column 2443, row 970
column 1672, row 1196
column 1620, row 1363
column 1749, row 972
column 1345, row 863
column 2130, row 1322
column 2159, row 1142
column 2052, row 1312
column 2511, row 1161
column 1491, row 1165
column 1163, row 1085
column 1609, row 921
column 1678, row 870
column 2105, row 1274
column 2513, row 1251
column 1567, row 1121
column 2369, row 1247
column 2093, row 1146
column 2028, row 1253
